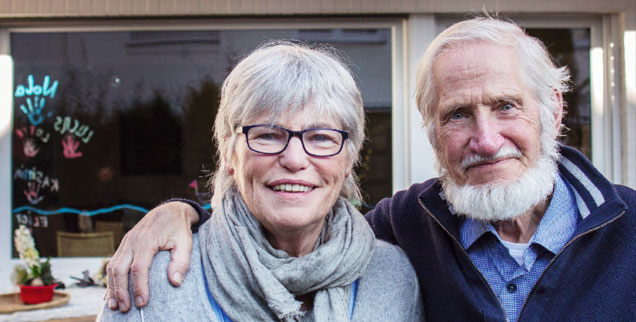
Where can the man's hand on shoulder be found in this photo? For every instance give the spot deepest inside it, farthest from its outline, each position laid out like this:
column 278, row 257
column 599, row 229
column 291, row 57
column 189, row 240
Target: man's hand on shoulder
column 166, row 227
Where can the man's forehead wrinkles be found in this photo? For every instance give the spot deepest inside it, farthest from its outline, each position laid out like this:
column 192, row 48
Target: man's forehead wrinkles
column 480, row 97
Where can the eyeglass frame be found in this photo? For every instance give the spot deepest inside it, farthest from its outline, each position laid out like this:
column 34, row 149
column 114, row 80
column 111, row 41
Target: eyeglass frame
column 246, row 128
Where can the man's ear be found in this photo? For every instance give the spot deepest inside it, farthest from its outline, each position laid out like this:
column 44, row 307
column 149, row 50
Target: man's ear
column 558, row 111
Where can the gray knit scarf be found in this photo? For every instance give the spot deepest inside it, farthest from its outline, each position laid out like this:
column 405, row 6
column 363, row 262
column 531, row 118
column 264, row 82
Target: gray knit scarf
column 252, row 281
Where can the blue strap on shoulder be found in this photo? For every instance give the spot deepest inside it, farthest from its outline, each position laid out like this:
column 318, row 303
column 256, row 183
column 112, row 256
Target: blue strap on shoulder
column 222, row 317
column 352, row 298
column 218, row 311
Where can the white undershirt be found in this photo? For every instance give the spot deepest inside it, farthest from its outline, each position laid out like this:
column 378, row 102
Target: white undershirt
column 516, row 250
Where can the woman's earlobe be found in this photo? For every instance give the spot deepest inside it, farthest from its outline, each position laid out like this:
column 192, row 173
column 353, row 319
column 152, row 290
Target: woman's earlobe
column 349, row 170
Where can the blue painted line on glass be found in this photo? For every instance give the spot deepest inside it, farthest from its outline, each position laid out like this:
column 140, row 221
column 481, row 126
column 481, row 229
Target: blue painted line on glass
column 88, row 213
column 66, row 210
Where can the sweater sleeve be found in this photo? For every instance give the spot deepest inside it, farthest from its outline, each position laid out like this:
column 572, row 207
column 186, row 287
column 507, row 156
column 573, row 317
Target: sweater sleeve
column 379, row 219
column 204, row 215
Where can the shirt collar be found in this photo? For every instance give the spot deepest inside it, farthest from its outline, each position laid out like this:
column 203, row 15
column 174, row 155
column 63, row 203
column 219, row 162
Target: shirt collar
column 560, row 219
column 555, row 229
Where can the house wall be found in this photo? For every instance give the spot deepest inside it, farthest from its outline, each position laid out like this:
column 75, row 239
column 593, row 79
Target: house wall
column 126, row 8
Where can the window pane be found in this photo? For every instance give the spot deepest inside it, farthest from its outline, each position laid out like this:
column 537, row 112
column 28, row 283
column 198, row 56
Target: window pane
column 571, row 47
column 107, row 124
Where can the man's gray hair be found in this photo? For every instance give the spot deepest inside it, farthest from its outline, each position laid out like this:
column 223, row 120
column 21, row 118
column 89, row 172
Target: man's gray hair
column 539, row 72
column 283, row 78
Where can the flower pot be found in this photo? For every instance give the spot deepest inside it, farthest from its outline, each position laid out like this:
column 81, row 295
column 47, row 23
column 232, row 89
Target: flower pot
column 36, row 294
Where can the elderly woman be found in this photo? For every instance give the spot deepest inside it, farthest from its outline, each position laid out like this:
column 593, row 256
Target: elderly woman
column 284, row 243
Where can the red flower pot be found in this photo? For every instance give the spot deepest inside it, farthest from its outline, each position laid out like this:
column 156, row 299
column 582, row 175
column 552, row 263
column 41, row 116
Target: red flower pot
column 36, row 294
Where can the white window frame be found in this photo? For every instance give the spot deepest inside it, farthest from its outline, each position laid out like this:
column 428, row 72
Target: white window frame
column 64, row 268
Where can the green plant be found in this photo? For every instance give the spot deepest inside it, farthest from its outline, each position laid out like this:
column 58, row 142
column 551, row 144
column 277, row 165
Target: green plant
column 33, row 272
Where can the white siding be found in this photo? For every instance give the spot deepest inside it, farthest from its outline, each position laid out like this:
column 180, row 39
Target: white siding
column 108, row 8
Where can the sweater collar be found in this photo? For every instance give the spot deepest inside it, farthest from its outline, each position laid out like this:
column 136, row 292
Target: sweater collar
column 596, row 198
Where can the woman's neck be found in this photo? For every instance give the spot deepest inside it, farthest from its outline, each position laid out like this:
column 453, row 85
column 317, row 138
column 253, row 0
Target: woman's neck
column 294, row 243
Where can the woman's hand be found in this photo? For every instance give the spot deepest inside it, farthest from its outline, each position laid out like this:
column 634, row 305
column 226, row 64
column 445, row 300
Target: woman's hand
column 166, row 227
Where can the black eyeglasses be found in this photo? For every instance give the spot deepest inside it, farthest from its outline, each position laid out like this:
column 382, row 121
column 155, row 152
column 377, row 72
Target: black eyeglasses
column 273, row 139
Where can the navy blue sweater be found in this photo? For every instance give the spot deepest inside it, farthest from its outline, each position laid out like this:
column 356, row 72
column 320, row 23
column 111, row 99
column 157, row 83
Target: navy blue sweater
column 592, row 279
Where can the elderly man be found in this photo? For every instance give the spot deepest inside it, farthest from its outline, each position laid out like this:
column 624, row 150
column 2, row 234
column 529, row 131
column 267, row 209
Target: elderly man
column 516, row 227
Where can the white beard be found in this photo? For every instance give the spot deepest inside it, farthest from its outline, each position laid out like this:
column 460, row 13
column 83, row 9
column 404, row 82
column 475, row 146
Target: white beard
column 501, row 201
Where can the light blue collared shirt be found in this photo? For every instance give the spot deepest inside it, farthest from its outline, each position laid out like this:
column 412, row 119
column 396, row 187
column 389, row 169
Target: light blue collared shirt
column 510, row 281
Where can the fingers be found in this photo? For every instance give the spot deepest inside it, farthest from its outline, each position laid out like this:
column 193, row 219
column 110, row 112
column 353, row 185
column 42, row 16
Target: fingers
column 180, row 260
column 117, row 275
column 139, row 272
column 110, row 293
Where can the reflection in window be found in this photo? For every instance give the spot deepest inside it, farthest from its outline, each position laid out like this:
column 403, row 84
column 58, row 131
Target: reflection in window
column 107, row 124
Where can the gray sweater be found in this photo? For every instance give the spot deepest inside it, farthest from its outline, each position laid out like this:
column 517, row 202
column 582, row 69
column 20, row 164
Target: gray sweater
column 388, row 291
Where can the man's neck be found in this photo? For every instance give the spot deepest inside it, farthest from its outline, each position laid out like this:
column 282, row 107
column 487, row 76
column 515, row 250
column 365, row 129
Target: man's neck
column 521, row 228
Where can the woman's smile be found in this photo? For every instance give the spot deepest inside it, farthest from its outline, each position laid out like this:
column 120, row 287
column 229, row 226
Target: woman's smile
column 291, row 186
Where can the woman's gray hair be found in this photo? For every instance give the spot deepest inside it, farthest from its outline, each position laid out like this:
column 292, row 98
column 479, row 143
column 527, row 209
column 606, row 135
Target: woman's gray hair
column 539, row 72
column 283, row 78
